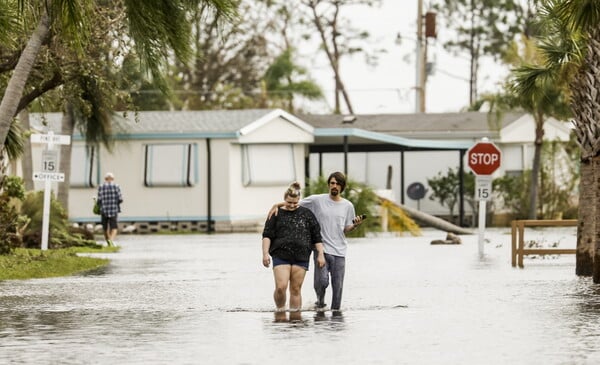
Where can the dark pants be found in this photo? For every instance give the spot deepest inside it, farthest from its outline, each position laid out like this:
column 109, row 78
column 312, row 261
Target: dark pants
column 335, row 266
column 109, row 223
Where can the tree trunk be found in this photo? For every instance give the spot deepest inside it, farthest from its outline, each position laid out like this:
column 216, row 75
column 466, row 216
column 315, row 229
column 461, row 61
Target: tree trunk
column 333, row 57
column 535, row 168
column 432, row 221
column 26, row 159
column 586, row 222
column 16, row 84
column 594, row 247
column 68, row 124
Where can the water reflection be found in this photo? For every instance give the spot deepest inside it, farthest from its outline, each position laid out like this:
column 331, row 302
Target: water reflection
column 207, row 299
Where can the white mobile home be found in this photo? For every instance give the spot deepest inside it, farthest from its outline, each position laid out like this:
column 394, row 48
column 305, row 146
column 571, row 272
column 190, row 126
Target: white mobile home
column 182, row 170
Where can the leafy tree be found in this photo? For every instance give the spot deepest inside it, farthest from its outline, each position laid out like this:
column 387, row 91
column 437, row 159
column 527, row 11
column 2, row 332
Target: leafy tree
column 512, row 189
column 445, row 189
column 338, row 39
column 283, row 80
column 229, row 58
column 558, row 185
column 481, row 28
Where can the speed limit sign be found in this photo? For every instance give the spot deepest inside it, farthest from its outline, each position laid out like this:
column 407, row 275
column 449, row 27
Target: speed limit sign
column 49, row 160
column 483, row 188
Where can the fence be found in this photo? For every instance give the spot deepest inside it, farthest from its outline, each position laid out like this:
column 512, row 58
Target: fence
column 518, row 249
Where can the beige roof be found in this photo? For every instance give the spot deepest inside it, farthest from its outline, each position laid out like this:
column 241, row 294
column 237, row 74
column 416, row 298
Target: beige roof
column 427, row 125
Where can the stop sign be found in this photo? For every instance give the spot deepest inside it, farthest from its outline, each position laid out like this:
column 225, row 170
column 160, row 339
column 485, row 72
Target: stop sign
column 484, row 158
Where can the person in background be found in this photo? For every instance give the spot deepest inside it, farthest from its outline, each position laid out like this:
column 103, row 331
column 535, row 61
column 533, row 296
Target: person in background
column 288, row 239
column 336, row 217
column 110, row 199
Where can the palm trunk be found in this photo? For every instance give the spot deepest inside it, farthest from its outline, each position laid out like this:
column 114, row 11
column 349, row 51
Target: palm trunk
column 26, row 159
column 16, row 84
column 535, row 168
column 427, row 219
column 584, row 104
column 594, row 247
column 586, row 222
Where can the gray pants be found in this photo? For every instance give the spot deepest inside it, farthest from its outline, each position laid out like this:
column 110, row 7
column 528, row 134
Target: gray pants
column 335, row 266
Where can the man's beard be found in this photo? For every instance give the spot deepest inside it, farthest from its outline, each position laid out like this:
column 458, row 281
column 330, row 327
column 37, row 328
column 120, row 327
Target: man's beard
column 334, row 192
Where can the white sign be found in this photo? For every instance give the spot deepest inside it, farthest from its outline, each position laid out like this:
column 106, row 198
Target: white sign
column 50, row 138
column 483, row 188
column 49, row 160
column 49, row 176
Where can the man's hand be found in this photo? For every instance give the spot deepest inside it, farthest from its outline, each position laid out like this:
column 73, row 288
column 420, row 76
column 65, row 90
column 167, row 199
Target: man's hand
column 321, row 259
column 358, row 220
column 274, row 210
column 320, row 252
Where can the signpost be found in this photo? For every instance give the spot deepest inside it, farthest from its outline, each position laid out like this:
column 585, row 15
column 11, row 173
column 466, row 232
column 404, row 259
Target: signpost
column 484, row 159
column 48, row 174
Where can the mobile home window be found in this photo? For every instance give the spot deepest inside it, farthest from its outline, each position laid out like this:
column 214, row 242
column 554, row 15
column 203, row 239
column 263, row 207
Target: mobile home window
column 84, row 166
column 268, row 164
column 170, row 165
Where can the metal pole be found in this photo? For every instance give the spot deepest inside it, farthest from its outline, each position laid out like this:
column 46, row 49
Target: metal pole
column 346, row 155
column 481, row 227
column 420, row 72
column 46, row 210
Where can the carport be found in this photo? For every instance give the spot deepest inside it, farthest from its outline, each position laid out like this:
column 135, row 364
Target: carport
column 346, row 140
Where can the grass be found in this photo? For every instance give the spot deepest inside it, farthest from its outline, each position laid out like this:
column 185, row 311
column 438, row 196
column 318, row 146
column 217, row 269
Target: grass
column 35, row 263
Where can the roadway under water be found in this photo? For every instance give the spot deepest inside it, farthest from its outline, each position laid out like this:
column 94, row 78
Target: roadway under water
column 206, row 299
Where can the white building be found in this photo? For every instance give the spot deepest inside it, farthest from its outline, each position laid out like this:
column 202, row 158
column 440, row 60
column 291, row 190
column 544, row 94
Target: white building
column 184, row 169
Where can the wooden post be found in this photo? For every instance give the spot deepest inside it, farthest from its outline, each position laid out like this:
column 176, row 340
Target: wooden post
column 521, row 227
column 513, row 243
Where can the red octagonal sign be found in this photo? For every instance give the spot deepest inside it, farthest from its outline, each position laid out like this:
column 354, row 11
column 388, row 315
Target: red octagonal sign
column 484, row 158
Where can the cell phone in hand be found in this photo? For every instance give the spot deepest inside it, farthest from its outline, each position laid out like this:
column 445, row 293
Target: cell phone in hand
column 362, row 217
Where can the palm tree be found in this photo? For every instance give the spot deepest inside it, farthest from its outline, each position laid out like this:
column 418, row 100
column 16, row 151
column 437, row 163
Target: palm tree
column 156, row 30
column 571, row 48
column 281, row 82
column 547, row 100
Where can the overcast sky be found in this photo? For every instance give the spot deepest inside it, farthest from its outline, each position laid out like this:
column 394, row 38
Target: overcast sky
column 389, row 87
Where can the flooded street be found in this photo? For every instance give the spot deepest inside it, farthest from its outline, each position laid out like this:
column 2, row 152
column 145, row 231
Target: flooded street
column 207, row 299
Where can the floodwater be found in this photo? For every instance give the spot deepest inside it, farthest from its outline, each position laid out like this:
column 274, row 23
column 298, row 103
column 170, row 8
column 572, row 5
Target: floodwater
column 206, row 299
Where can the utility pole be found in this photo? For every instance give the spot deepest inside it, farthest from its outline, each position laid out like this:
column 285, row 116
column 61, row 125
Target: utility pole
column 422, row 67
column 421, row 61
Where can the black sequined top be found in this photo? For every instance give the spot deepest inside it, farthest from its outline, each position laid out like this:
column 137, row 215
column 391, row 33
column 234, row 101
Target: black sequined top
column 293, row 234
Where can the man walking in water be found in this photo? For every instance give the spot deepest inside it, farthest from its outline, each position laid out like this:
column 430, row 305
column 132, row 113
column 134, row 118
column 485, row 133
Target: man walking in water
column 110, row 199
column 337, row 217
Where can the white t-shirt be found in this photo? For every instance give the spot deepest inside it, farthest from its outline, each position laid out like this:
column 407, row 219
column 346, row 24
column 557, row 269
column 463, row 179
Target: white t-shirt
column 333, row 216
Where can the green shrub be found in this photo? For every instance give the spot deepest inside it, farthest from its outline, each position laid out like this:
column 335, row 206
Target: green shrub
column 61, row 234
column 365, row 201
column 11, row 222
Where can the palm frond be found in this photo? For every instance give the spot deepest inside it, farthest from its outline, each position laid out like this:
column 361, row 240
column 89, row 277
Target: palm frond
column 580, row 15
column 74, row 17
column 9, row 22
column 161, row 26
column 14, row 146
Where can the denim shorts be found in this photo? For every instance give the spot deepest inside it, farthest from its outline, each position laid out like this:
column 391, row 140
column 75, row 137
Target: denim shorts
column 278, row 261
